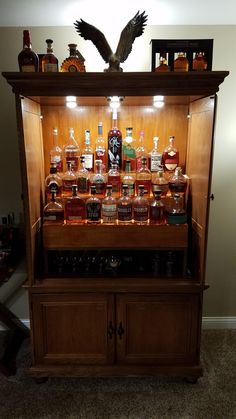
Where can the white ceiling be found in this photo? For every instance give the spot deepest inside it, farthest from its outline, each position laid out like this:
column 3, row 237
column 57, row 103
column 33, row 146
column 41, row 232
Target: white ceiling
column 107, row 12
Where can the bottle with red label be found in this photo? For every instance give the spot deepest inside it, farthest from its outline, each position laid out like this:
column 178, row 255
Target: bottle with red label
column 74, row 208
column 170, row 156
column 114, row 144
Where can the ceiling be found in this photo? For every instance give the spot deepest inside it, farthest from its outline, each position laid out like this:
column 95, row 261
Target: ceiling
column 105, row 12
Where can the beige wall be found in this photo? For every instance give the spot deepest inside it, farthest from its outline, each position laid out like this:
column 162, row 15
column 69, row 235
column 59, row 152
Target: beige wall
column 220, row 299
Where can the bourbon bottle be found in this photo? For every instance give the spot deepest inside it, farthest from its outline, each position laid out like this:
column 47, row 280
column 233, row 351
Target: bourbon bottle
column 56, row 155
column 124, row 207
column 71, row 151
column 74, row 208
column 75, row 62
column 163, row 66
column 53, row 211
column 170, row 156
column 181, row 62
column 93, row 208
column 49, row 60
column 27, row 59
column 144, row 177
column 199, row 62
column 109, row 207
column 140, row 207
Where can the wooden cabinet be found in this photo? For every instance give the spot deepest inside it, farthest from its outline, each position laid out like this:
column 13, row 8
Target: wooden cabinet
column 136, row 322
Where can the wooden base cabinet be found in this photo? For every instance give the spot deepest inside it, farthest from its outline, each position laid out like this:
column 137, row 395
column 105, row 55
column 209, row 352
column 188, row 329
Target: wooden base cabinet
column 90, row 321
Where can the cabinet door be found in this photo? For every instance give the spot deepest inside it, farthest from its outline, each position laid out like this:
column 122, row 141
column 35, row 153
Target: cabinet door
column 157, row 329
column 73, row 328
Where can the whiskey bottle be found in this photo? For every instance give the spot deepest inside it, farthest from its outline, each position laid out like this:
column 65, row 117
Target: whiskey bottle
column 128, row 150
column 56, row 155
column 68, row 179
column 53, row 182
column 72, row 151
column 170, row 156
column 129, row 179
column 109, row 207
column 157, row 209
column 27, row 59
column 75, row 62
column 141, row 151
column 163, row 66
column 155, row 156
column 114, row 144
column 93, row 208
column 144, row 177
column 49, row 60
column 178, row 182
column 100, row 148
column 98, row 179
column 176, row 214
column 82, row 177
column 124, row 207
column 87, row 152
column 114, row 179
column 199, row 62
column 181, row 62
column 74, row 208
column 159, row 182
column 140, row 207
column 53, row 211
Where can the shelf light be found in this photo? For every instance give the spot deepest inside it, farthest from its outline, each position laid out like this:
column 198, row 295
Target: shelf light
column 158, row 101
column 71, row 102
column 114, row 102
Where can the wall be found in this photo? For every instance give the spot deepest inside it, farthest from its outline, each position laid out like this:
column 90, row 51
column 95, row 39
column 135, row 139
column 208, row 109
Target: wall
column 221, row 261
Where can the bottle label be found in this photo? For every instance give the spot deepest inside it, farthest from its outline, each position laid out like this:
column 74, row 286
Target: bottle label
column 108, row 212
column 100, row 187
column 124, row 212
column 83, row 184
column 93, row 211
column 74, row 162
column 170, row 165
column 128, row 152
column 28, row 68
column 115, row 182
column 67, row 184
column 131, row 188
column 155, row 163
column 50, row 68
column 146, row 184
column 88, row 161
column 114, row 150
column 140, row 213
column 74, row 211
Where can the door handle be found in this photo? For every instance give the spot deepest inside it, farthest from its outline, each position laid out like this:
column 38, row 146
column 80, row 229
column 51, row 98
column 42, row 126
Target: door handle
column 120, row 330
column 110, row 330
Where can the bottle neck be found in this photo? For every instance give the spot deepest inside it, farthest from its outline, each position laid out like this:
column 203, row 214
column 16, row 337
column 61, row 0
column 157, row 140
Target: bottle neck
column 127, row 167
column 87, row 137
column 100, row 130
column 55, row 134
column 26, row 40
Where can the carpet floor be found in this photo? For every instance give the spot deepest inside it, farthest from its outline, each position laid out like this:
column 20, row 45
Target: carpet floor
column 213, row 397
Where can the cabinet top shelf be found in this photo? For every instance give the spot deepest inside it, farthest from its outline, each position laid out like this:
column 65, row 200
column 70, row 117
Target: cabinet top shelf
column 116, row 84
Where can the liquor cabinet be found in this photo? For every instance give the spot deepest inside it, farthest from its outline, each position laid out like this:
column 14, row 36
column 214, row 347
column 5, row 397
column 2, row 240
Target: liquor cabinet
column 95, row 321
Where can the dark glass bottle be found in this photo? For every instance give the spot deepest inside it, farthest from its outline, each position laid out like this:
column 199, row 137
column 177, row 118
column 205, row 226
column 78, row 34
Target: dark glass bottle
column 157, row 209
column 27, row 59
column 114, row 144
column 93, row 208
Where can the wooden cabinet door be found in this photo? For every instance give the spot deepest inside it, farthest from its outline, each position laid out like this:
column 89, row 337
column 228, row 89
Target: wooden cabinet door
column 157, row 329
column 73, row 328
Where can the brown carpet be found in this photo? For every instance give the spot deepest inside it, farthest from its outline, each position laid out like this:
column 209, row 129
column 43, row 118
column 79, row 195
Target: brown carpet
column 213, row 397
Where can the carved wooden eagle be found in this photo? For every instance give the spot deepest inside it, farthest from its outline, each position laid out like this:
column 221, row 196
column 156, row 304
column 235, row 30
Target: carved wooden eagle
column 132, row 30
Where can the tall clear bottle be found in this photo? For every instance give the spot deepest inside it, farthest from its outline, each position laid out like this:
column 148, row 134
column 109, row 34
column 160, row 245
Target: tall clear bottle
column 68, row 180
column 53, row 182
column 170, row 156
column 28, row 60
column 83, row 177
column 100, row 146
column 114, row 144
column 56, row 154
column 98, row 179
column 109, row 207
column 129, row 149
column 141, row 151
column 140, row 207
column 124, row 207
column 49, row 60
column 72, row 151
column 144, row 177
column 114, row 179
column 129, row 179
column 155, row 156
column 87, row 152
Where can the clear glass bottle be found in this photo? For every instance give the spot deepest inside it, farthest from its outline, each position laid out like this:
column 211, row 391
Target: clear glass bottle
column 199, row 62
column 68, row 179
column 109, row 207
column 72, row 151
column 178, row 182
column 140, row 207
column 129, row 179
column 144, row 177
column 87, row 152
column 75, row 62
column 155, row 156
column 141, row 151
column 56, row 155
column 74, row 208
column 53, row 182
column 157, row 209
column 114, row 179
column 83, row 177
column 28, row 60
column 159, row 182
column 100, row 146
column 49, row 60
column 114, row 144
column 128, row 149
column 98, row 179
column 170, row 156
column 93, row 208
column 53, row 211
column 176, row 214
column 124, row 207
column 181, row 63
column 163, row 66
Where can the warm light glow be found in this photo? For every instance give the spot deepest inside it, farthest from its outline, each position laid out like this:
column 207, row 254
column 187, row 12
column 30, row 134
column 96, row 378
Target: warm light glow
column 71, row 105
column 158, row 98
column 71, row 98
column 114, row 102
column 158, row 104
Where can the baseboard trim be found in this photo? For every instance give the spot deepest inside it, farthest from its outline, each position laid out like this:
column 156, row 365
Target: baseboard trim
column 219, row 322
column 207, row 323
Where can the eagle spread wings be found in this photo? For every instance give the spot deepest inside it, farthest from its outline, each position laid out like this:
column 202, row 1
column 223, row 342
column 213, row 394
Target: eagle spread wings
column 132, row 30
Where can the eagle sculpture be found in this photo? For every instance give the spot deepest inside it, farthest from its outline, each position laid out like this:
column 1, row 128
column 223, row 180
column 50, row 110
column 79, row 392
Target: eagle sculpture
column 132, row 30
